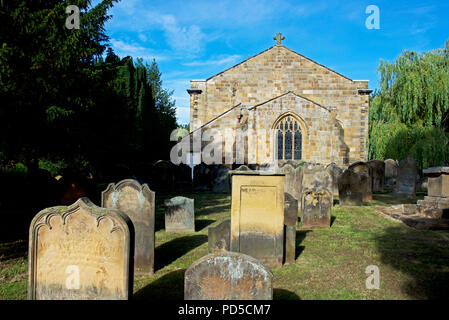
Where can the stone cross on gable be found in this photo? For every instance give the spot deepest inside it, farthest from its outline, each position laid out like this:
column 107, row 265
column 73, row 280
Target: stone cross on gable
column 278, row 38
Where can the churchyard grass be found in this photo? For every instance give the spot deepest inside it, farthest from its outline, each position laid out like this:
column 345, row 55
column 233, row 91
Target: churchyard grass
column 330, row 263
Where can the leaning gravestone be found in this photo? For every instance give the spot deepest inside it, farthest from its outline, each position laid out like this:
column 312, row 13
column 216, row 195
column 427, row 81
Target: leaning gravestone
column 407, row 178
column 335, row 171
column 316, row 199
column 378, row 175
column 179, row 215
column 219, row 237
column 228, row 276
column 391, row 172
column 80, row 252
column 349, row 189
column 364, row 170
column 137, row 202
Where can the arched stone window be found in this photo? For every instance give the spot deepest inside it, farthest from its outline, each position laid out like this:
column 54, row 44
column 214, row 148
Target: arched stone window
column 289, row 139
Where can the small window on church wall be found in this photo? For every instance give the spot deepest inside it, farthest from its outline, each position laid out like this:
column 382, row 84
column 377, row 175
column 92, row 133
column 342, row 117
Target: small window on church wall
column 289, row 139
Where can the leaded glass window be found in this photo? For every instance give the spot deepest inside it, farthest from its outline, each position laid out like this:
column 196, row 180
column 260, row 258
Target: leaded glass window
column 289, row 139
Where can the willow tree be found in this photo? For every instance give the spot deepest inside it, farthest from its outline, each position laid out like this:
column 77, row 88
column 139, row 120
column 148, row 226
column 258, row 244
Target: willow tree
column 409, row 114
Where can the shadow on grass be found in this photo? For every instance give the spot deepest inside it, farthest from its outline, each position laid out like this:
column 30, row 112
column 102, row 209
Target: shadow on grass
column 201, row 224
column 167, row 287
column 176, row 248
column 300, row 236
column 13, row 250
column 423, row 255
column 282, row 294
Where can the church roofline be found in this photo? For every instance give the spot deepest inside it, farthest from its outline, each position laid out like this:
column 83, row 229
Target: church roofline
column 287, row 93
column 279, row 46
column 216, row 118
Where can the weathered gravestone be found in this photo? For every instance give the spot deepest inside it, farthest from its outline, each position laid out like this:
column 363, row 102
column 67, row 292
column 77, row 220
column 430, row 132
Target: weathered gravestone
column 228, row 276
column 365, row 185
column 137, row 202
column 202, row 177
column 316, row 198
column 349, row 189
column 80, row 252
column 335, row 172
column 290, row 222
column 179, row 215
column 257, row 216
column 183, row 177
column 293, row 180
column 407, row 178
column 391, row 172
column 437, row 200
column 221, row 181
column 163, row 175
column 377, row 175
column 219, row 237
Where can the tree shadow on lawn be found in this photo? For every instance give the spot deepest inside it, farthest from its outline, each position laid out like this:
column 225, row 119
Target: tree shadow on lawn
column 300, row 236
column 203, row 223
column 167, row 287
column 282, row 294
column 13, row 250
column 176, row 248
column 423, row 255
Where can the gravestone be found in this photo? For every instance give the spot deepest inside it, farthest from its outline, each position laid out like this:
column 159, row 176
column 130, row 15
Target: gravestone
column 391, row 172
column 349, row 189
column 219, row 237
column 293, row 180
column 316, row 209
column 437, row 199
column 407, row 178
column 378, row 175
column 179, row 215
column 183, row 177
column 228, row 276
column 290, row 222
column 257, row 216
column 364, row 170
column 335, row 172
column 80, row 252
column 202, row 177
column 316, row 177
column 137, row 202
column 221, row 181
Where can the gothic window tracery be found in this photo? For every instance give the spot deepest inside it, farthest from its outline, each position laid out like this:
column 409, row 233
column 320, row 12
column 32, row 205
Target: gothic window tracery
column 289, row 139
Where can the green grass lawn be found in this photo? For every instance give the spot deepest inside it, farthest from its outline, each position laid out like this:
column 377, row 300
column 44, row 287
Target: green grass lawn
column 330, row 263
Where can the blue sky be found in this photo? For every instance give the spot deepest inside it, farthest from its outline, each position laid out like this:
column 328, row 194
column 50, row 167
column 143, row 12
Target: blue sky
column 197, row 39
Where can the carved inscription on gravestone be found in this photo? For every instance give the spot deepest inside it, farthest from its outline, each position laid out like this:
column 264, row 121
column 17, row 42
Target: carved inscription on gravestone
column 80, row 252
column 179, row 215
column 228, row 276
column 137, row 202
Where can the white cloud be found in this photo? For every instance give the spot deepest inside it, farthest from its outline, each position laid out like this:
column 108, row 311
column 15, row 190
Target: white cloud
column 123, row 49
column 218, row 61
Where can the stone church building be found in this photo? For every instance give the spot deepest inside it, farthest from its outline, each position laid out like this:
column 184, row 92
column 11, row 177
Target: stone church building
column 308, row 111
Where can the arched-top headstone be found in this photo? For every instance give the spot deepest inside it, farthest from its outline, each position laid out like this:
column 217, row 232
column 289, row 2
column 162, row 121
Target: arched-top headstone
column 364, row 170
column 228, row 276
column 80, row 252
column 316, row 177
column 179, row 215
column 335, row 171
column 138, row 203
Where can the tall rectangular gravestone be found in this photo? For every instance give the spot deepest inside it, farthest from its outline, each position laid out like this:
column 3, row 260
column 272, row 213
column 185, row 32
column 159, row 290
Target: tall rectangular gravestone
column 365, row 173
column 257, row 216
column 80, row 252
column 316, row 198
column 219, row 237
column 228, row 276
column 407, row 178
column 179, row 215
column 137, row 202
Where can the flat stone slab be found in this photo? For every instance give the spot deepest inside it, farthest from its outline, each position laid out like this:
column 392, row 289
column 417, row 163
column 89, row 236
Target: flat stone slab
column 80, row 252
column 436, row 170
column 137, row 202
column 179, row 215
column 228, row 276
